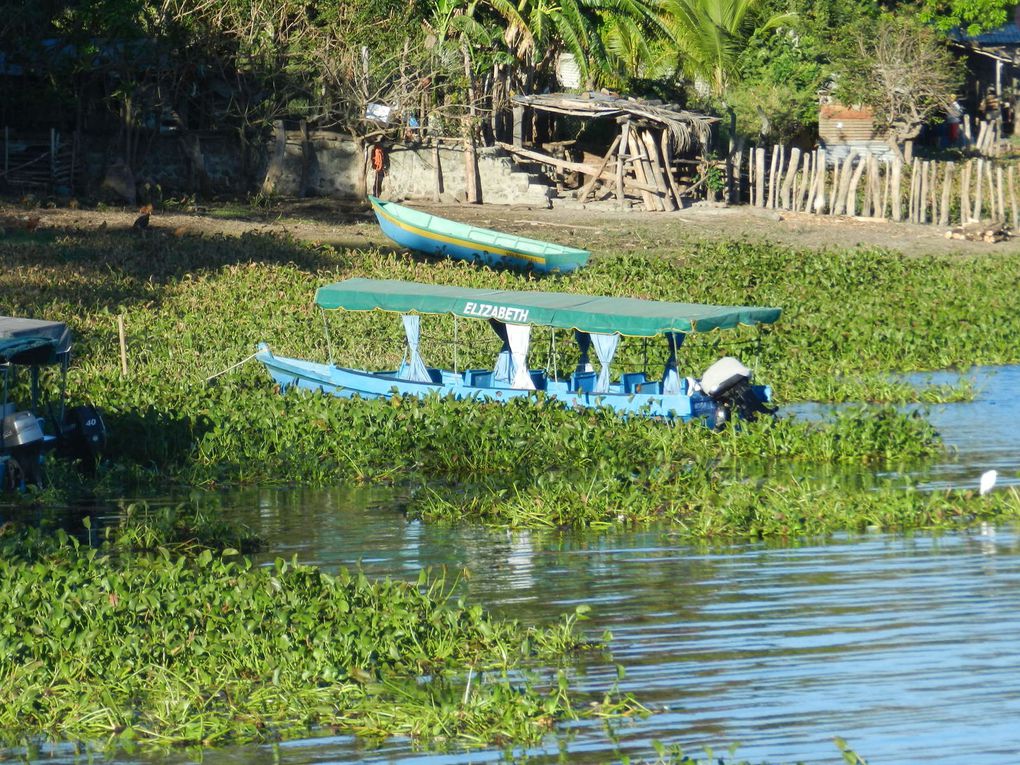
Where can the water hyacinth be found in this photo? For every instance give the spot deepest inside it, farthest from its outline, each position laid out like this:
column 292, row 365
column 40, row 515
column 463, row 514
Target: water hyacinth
column 195, row 645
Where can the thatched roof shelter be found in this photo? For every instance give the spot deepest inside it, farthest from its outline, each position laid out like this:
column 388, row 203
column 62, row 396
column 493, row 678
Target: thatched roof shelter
column 641, row 157
column 687, row 128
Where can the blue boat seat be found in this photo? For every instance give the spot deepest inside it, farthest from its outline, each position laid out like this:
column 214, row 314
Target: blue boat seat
column 478, row 378
column 436, row 375
column 649, row 387
column 631, row 380
column 583, row 381
column 539, row 379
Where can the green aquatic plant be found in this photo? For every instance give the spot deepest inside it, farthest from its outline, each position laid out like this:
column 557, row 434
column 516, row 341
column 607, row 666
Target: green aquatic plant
column 100, row 644
column 196, row 306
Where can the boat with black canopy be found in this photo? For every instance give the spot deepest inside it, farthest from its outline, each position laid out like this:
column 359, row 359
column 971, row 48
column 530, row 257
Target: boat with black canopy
column 29, row 432
column 597, row 323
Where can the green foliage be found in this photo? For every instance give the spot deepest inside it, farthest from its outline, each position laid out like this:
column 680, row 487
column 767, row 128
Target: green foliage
column 974, row 16
column 205, row 648
column 776, row 95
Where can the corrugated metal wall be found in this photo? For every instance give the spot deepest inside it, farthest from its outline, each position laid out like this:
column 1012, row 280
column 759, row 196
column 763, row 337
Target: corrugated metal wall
column 841, row 129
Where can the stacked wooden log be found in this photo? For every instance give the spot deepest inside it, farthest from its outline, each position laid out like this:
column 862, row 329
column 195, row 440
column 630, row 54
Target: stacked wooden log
column 980, row 232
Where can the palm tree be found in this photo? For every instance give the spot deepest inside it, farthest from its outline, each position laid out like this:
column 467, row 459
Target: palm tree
column 710, row 34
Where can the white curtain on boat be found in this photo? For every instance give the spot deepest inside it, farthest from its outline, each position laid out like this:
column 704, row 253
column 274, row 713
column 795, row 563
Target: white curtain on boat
column 414, row 368
column 519, row 337
column 584, row 346
column 501, row 372
column 670, row 376
column 605, row 349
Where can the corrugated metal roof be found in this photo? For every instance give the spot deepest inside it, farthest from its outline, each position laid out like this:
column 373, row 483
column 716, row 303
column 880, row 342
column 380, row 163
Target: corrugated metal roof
column 1007, row 34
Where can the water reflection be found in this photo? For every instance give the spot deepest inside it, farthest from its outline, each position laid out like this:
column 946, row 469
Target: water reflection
column 980, row 435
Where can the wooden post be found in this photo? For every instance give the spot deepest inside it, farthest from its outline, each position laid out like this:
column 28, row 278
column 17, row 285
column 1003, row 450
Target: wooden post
column 666, row 200
column 738, row 160
column 791, row 174
column 759, row 177
column 965, row 214
column 667, row 160
column 1012, row 197
column 798, row 183
column 993, row 207
column 868, row 201
column 773, row 168
column 840, row 182
column 7, row 152
column 886, row 193
column 437, row 174
column 639, row 172
column 876, row 188
column 275, row 168
column 818, row 199
column 851, row 193
column 620, row 156
column 518, row 139
column 979, row 190
column 804, row 193
column 752, row 153
column 122, row 335
column 1000, row 192
column 947, row 188
column 922, row 202
column 306, row 159
column 896, row 174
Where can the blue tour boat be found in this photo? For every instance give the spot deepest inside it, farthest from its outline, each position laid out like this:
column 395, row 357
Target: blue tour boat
column 596, row 322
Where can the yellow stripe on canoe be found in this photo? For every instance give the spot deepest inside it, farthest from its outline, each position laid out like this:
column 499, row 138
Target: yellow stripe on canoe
column 461, row 242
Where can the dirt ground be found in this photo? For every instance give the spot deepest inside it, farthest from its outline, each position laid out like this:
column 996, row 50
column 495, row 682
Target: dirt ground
column 599, row 227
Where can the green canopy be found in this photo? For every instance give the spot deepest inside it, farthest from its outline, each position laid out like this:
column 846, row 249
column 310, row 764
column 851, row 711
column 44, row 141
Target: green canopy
column 587, row 313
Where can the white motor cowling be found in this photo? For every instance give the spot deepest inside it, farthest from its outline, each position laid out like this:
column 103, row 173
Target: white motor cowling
column 723, row 375
column 728, row 382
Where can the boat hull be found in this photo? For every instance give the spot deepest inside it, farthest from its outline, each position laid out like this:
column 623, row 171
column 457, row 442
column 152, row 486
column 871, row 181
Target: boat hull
column 434, row 235
column 348, row 383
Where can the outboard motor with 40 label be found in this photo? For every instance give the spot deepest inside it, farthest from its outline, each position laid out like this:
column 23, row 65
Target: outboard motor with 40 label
column 728, row 383
column 82, row 435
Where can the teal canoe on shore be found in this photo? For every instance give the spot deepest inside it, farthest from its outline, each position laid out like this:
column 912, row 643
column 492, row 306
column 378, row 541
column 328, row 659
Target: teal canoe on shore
column 434, row 235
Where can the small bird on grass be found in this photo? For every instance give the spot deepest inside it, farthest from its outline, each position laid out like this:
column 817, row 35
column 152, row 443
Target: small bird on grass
column 142, row 221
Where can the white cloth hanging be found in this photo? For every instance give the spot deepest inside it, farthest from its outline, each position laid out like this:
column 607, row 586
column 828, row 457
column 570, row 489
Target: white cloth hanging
column 501, row 372
column 414, row 368
column 519, row 337
column 670, row 376
column 605, row 349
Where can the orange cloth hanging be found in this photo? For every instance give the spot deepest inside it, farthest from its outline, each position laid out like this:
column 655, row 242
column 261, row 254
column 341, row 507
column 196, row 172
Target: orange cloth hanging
column 378, row 158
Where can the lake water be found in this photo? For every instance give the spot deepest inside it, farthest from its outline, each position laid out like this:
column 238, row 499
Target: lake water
column 908, row 647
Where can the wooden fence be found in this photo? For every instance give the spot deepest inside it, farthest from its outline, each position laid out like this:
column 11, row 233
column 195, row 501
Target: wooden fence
column 38, row 162
column 922, row 191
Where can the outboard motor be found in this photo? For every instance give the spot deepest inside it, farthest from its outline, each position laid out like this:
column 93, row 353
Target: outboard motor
column 82, row 435
column 728, row 383
column 23, row 441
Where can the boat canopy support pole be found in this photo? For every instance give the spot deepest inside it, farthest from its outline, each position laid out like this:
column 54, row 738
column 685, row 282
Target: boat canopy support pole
column 329, row 341
column 456, row 344
column 552, row 347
